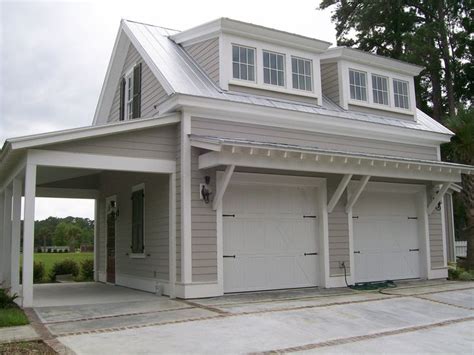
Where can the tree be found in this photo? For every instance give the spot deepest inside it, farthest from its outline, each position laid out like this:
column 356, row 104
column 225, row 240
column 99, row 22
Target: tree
column 433, row 33
column 461, row 150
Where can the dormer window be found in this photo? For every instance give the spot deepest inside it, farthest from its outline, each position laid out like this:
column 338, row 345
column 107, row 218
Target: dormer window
column 380, row 89
column 358, row 85
column 302, row 74
column 273, row 68
column 400, row 94
column 243, row 63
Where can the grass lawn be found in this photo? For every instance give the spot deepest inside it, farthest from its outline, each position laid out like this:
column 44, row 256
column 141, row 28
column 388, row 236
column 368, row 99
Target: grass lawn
column 49, row 259
column 11, row 317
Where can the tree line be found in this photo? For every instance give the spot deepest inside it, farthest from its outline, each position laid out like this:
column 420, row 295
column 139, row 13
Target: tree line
column 68, row 231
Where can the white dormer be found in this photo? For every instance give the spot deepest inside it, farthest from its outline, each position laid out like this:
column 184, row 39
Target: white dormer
column 252, row 57
column 369, row 83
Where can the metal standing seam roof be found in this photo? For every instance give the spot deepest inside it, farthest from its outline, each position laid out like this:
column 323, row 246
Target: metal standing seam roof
column 221, row 141
column 184, row 76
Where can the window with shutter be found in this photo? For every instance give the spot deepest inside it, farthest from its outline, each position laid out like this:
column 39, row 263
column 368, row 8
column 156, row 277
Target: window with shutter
column 138, row 209
column 131, row 93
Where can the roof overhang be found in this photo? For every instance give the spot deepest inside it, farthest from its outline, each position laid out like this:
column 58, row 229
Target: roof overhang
column 329, row 122
column 361, row 57
column 301, row 158
column 248, row 30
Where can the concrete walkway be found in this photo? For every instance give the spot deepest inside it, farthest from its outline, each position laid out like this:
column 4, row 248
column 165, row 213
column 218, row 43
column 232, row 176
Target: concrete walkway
column 429, row 317
column 21, row 333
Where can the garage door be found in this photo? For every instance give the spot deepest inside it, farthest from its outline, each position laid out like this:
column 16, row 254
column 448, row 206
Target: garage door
column 386, row 243
column 270, row 237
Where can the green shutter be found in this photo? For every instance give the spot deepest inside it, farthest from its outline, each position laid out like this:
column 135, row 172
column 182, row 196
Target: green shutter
column 122, row 100
column 137, row 221
column 137, row 91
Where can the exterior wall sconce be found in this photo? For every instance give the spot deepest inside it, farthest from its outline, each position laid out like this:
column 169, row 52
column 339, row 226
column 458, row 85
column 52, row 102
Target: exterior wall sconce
column 205, row 190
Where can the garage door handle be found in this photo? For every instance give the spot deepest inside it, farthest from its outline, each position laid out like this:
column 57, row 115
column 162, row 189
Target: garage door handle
column 305, row 254
column 309, row 216
column 357, row 252
column 229, row 256
column 413, row 249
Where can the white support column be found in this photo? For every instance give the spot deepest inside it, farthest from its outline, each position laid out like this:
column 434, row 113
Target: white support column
column 96, row 239
column 28, row 234
column 353, row 199
column 16, row 236
column 339, row 191
column 7, row 235
column 225, row 182
column 172, row 235
column 2, row 239
column 438, row 197
column 186, row 241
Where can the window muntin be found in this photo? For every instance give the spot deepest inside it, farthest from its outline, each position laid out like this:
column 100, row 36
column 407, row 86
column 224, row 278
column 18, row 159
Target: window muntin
column 273, row 68
column 380, row 89
column 302, row 74
column 138, row 220
column 358, row 85
column 400, row 94
column 243, row 63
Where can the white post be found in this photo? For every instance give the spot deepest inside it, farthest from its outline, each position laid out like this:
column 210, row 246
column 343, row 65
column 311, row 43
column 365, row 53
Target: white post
column 2, row 240
column 7, row 235
column 96, row 239
column 172, row 235
column 186, row 241
column 28, row 234
column 16, row 236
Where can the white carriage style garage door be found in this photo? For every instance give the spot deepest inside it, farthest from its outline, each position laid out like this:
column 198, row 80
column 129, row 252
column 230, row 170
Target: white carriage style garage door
column 270, row 237
column 386, row 242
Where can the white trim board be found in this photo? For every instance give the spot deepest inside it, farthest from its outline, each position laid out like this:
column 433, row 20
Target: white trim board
column 100, row 162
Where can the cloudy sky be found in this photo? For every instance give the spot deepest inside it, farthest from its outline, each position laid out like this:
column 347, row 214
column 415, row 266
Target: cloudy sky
column 53, row 56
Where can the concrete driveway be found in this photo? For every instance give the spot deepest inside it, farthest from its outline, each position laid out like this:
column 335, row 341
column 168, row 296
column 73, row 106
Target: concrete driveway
column 420, row 317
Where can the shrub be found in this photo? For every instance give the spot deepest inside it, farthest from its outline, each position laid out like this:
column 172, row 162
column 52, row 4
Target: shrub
column 7, row 301
column 87, row 269
column 453, row 274
column 465, row 276
column 39, row 272
column 64, row 267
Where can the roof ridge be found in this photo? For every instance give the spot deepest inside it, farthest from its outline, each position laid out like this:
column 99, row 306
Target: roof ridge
column 149, row 24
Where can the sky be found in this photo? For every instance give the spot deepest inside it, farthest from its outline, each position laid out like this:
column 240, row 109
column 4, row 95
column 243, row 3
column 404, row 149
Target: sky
column 54, row 54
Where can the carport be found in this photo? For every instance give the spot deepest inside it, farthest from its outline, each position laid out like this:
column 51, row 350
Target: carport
column 46, row 166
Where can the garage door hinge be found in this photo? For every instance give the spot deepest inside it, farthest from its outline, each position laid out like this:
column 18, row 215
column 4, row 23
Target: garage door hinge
column 412, row 217
column 357, row 252
column 355, row 217
column 229, row 256
column 414, row 249
column 309, row 216
column 305, row 254
column 228, row 215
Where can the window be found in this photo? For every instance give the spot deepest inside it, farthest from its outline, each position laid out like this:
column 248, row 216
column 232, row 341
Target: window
column 400, row 93
column 358, row 85
column 273, row 68
column 301, row 73
column 138, row 220
column 131, row 93
column 243, row 63
column 380, row 89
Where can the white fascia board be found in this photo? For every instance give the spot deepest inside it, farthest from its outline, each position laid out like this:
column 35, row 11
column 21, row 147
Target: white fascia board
column 358, row 56
column 277, row 117
column 91, row 131
column 146, row 57
column 114, row 69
